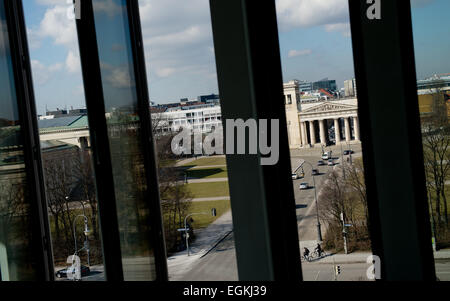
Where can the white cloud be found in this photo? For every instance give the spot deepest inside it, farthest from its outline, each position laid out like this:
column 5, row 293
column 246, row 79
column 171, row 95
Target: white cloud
column 57, row 26
column 307, row 13
column 178, row 41
column 109, row 7
column 73, row 63
column 42, row 73
column 294, row 53
column 343, row 28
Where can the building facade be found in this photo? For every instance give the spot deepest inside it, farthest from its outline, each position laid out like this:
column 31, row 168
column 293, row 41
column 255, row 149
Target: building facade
column 321, row 122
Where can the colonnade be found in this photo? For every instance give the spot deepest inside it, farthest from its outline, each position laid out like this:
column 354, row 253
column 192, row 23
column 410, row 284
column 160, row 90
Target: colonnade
column 311, row 139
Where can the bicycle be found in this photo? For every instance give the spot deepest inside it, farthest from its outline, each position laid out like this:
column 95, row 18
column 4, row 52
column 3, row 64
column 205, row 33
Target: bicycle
column 306, row 258
column 315, row 254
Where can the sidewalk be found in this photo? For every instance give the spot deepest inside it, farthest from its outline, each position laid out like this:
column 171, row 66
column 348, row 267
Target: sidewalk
column 442, row 254
column 206, row 239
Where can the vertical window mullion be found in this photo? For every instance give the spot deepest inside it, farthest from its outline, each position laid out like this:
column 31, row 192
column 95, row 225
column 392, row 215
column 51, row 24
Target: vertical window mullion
column 389, row 119
column 35, row 216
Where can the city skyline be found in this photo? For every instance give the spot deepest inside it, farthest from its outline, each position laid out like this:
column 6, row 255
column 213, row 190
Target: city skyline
column 180, row 55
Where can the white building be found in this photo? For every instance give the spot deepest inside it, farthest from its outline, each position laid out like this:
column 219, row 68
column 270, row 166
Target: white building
column 199, row 119
column 319, row 122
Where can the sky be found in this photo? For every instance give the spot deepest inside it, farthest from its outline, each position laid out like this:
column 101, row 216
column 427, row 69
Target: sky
column 315, row 43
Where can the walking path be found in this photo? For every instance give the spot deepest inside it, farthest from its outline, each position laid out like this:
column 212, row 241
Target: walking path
column 206, row 239
column 210, row 180
column 216, row 198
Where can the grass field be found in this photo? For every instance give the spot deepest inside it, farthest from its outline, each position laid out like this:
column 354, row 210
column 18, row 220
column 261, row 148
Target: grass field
column 208, row 173
column 215, row 160
column 204, row 190
column 203, row 220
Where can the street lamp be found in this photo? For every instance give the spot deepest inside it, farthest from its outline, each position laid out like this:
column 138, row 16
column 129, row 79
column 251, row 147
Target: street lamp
column 213, row 213
column 319, row 232
column 342, row 161
column 86, row 234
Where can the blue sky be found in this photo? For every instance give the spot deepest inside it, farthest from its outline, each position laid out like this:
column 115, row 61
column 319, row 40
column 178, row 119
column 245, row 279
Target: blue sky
column 314, row 41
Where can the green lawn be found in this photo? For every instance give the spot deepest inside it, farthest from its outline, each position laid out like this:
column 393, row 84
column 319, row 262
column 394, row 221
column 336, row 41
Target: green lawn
column 203, row 220
column 168, row 162
column 214, row 160
column 213, row 189
column 208, row 173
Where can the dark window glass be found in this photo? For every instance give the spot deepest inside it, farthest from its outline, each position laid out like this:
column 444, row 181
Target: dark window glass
column 16, row 258
column 125, row 138
column 432, row 48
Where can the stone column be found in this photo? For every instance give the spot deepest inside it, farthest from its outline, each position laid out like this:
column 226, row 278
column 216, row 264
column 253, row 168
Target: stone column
column 323, row 139
column 312, row 132
column 356, row 126
column 337, row 131
column 347, row 130
column 303, row 134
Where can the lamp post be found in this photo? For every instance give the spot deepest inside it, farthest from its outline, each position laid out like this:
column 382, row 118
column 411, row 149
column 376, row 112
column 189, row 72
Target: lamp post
column 319, row 232
column 342, row 161
column 86, row 234
column 213, row 213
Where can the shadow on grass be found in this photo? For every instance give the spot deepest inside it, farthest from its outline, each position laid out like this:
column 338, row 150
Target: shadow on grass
column 204, row 173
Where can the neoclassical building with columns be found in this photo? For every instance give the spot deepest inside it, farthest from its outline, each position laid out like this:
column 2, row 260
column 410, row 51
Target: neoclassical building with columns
column 319, row 123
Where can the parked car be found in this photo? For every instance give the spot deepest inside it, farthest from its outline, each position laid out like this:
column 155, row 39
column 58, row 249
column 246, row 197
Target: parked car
column 325, row 156
column 314, row 172
column 294, row 176
column 303, row 186
column 85, row 271
column 330, row 162
column 348, row 152
column 320, row 163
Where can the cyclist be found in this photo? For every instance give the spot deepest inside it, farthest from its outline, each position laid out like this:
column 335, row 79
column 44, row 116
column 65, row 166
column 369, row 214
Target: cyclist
column 319, row 250
column 306, row 253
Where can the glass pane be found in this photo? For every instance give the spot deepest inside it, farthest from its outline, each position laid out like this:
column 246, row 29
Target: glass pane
column 65, row 141
column 125, row 138
column 432, row 52
column 324, row 138
column 17, row 262
column 183, row 86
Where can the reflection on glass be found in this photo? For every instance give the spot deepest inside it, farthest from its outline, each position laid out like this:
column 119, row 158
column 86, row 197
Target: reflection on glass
column 16, row 260
column 125, row 138
column 65, row 142
column 323, row 130
column 433, row 89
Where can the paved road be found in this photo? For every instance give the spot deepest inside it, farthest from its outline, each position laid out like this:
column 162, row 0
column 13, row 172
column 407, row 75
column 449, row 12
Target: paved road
column 305, row 199
column 220, row 265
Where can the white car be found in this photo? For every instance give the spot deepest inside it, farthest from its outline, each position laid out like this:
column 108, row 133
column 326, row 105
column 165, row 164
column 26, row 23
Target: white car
column 330, row 162
column 294, row 176
column 303, row 186
column 325, row 156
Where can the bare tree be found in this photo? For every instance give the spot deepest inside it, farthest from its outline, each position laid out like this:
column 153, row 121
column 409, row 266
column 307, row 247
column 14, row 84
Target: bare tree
column 436, row 146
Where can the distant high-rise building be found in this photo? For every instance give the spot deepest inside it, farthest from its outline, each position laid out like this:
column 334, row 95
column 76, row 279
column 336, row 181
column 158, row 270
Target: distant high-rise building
column 326, row 84
column 350, row 87
column 213, row 98
column 304, row 86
